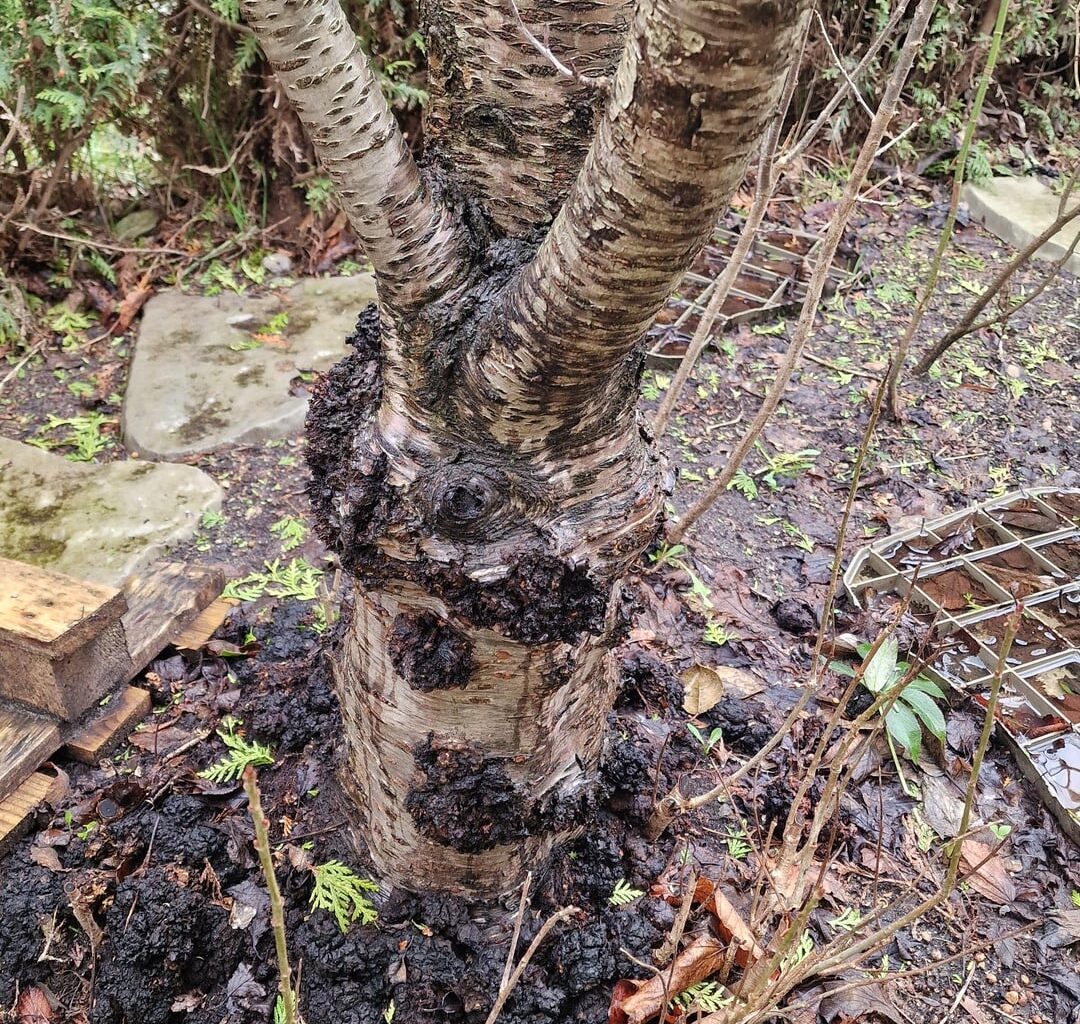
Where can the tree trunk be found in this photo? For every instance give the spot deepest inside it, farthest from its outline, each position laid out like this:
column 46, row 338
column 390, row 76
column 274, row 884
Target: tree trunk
column 478, row 463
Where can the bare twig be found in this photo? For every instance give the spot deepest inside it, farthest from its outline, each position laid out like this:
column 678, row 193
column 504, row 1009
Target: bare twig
column 845, row 86
column 523, row 905
column 107, row 246
column 892, row 382
column 277, row 908
column 816, row 286
column 511, row 984
column 599, row 82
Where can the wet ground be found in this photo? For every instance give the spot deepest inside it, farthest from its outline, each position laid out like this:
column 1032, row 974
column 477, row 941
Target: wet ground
column 138, row 898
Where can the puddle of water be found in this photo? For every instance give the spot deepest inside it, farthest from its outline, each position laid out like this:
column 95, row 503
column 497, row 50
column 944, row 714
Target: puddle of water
column 958, row 660
column 1034, row 639
column 1022, row 720
column 1059, row 763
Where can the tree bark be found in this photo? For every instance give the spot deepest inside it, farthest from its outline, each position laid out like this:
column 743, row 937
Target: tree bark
column 504, row 123
column 478, row 463
column 329, row 81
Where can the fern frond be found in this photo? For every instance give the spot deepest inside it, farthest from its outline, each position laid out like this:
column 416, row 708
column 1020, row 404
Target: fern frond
column 241, row 753
column 341, row 892
column 624, row 894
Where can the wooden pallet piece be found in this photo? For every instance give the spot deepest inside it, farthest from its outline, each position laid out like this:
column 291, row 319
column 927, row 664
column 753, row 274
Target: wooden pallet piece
column 195, row 635
column 26, row 740
column 104, row 732
column 17, row 806
column 162, row 603
column 61, row 639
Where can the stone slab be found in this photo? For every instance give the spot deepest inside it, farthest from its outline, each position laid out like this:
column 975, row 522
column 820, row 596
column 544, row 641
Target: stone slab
column 195, row 386
column 1018, row 210
column 98, row 522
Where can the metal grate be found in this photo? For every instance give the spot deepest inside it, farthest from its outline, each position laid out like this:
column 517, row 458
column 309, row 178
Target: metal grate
column 772, row 279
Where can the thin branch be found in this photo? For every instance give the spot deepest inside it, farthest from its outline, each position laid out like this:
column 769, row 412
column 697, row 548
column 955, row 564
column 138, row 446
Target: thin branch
column 505, row 990
column 600, row 82
column 840, row 65
column 937, row 350
column 892, row 382
column 816, row 286
column 844, row 88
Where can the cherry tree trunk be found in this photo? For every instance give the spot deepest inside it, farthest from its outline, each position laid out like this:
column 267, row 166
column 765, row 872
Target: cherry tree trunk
column 479, row 466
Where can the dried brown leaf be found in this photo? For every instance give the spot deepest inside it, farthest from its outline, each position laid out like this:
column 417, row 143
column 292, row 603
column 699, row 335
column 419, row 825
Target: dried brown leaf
column 34, row 1007
column 991, row 880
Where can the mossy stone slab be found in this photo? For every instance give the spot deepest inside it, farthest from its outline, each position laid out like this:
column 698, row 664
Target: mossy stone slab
column 202, row 379
column 97, row 522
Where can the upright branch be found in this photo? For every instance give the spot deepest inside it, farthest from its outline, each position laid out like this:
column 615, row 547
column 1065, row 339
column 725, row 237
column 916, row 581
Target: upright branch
column 696, row 84
column 892, row 381
column 413, row 242
column 816, row 286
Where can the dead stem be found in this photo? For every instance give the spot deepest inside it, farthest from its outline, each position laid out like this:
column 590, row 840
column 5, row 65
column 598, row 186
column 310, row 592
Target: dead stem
column 277, row 911
column 892, row 381
column 816, row 285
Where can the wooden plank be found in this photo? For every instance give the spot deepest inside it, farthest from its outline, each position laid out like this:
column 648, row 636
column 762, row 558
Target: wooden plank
column 17, row 806
column 98, row 737
column 162, row 602
column 197, row 632
column 25, row 741
column 50, row 612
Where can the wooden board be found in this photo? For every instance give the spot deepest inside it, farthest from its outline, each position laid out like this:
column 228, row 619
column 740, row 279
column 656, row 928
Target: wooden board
column 25, row 741
column 98, row 737
column 195, row 635
column 162, row 602
column 61, row 639
column 50, row 612
column 16, row 807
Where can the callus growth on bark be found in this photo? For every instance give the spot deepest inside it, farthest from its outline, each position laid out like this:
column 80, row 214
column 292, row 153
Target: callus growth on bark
column 478, row 464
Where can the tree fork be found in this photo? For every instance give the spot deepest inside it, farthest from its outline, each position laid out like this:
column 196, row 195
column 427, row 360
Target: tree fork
column 478, row 463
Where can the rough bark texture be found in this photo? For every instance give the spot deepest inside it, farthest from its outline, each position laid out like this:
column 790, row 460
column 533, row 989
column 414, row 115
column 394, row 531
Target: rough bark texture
column 503, row 120
column 475, row 677
column 696, row 84
column 478, row 464
column 330, row 83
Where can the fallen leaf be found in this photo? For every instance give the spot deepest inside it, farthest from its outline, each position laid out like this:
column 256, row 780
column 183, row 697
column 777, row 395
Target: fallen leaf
column 129, row 307
column 730, row 924
column 186, row 1003
column 45, row 857
column 739, row 683
column 942, row 806
column 991, row 880
column 703, row 957
column 702, row 689
column 34, row 1007
column 974, row 1011
column 858, row 1003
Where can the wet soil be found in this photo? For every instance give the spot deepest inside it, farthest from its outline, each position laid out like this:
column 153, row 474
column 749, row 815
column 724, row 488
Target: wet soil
column 136, row 897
